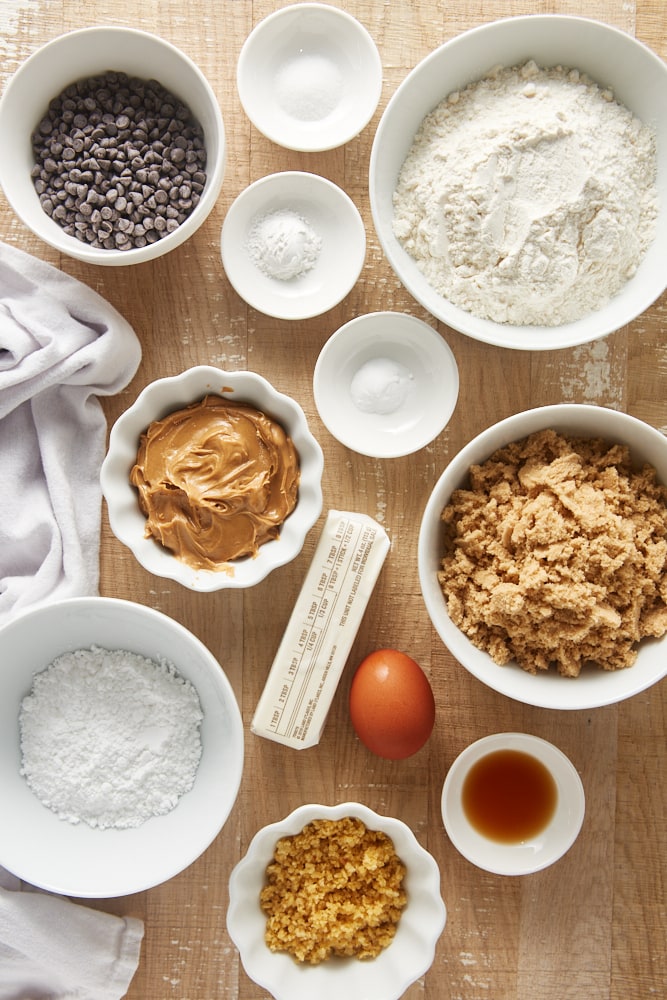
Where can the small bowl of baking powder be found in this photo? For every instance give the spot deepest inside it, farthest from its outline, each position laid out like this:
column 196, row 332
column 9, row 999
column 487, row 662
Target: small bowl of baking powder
column 386, row 384
column 518, row 181
column 293, row 245
column 121, row 747
column 309, row 77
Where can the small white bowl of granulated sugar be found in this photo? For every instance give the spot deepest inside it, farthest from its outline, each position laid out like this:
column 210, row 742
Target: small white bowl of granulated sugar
column 309, row 77
column 518, row 181
column 293, row 245
column 121, row 747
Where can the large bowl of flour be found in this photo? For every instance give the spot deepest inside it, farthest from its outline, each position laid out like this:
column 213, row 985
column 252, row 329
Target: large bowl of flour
column 121, row 747
column 518, row 181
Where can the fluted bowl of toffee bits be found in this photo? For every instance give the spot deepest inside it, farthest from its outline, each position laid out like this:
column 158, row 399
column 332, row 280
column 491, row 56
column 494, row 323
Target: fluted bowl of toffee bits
column 118, row 145
column 335, row 901
column 212, row 478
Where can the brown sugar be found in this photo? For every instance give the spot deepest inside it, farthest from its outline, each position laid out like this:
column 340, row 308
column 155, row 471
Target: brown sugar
column 556, row 554
column 335, row 889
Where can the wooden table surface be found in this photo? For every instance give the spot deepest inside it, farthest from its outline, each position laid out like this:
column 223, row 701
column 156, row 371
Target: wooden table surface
column 594, row 926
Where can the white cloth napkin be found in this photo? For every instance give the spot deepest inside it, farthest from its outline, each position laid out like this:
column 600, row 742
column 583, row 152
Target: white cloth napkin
column 54, row 949
column 61, row 346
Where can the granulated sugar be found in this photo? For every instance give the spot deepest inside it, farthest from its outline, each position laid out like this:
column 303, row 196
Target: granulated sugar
column 528, row 197
column 110, row 738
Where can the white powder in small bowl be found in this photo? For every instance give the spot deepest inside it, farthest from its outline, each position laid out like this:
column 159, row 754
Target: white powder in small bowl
column 381, row 385
column 283, row 245
column 110, row 738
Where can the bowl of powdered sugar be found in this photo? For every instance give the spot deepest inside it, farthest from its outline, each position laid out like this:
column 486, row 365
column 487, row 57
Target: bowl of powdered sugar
column 518, row 181
column 121, row 747
column 118, row 145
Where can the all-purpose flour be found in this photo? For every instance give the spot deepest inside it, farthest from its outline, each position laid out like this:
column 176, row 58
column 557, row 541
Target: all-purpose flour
column 528, row 197
column 109, row 738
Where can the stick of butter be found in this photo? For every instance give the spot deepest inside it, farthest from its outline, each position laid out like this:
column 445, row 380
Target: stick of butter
column 306, row 670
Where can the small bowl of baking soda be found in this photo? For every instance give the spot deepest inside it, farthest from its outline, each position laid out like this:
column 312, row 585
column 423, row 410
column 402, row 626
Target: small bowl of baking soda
column 309, row 77
column 386, row 384
column 293, row 245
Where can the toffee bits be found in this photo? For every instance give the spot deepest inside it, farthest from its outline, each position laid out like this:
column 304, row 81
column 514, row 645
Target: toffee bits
column 120, row 162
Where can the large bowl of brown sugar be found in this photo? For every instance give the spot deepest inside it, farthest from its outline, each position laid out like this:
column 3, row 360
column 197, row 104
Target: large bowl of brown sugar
column 543, row 556
column 518, row 181
column 114, row 145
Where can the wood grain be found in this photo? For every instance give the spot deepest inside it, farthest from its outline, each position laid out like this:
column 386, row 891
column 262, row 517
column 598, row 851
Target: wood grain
column 595, row 925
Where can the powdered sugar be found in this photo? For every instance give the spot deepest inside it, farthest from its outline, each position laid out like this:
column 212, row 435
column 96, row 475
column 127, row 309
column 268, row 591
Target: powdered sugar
column 528, row 197
column 110, row 738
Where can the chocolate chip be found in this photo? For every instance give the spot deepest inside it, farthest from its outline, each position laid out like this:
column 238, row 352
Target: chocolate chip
column 119, row 161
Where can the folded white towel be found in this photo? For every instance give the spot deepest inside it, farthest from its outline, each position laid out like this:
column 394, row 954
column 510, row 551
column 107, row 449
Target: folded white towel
column 61, row 346
column 54, row 949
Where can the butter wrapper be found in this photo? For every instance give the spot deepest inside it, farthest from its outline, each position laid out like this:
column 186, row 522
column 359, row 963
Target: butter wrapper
column 303, row 678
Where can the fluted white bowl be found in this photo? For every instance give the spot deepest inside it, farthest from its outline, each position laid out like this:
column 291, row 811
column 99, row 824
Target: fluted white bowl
column 164, row 396
column 385, row 977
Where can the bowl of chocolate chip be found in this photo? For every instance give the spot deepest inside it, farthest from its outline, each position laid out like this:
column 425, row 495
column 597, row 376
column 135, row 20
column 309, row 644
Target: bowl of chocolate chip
column 118, row 145
column 543, row 556
column 212, row 478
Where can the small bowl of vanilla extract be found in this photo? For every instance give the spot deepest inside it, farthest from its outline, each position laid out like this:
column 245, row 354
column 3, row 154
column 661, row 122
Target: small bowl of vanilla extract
column 512, row 803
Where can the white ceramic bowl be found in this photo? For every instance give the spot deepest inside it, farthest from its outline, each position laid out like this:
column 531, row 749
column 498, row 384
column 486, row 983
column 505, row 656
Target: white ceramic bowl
column 79, row 860
column 609, row 56
column 78, row 55
column 158, row 399
column 534, row 853
column 546, row 689
column 333, row 219
column 385, row 977
column 386, row 384
column 309, row 77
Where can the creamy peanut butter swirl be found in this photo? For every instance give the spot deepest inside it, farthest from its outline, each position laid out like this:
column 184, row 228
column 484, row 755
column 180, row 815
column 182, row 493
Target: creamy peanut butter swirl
column 216, row 480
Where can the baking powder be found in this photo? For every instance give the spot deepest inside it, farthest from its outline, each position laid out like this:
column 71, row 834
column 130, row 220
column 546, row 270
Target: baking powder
column 109, row 738
column 283, row 245
column 528, row 197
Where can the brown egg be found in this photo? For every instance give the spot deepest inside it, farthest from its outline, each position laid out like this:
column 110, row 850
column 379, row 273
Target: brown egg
column 391, row 704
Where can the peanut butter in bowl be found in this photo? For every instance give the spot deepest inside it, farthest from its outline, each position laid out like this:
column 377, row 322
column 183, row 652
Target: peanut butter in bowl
column 216, row 480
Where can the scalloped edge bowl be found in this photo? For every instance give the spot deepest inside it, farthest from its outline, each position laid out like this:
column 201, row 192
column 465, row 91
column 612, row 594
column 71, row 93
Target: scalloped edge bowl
column 386, row 977
column 77, row 859
column 171, row 393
